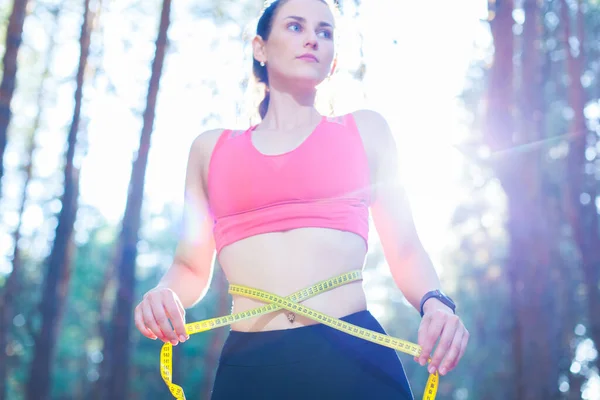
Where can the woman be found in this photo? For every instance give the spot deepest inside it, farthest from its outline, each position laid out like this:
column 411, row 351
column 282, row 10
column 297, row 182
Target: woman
column 284, row 205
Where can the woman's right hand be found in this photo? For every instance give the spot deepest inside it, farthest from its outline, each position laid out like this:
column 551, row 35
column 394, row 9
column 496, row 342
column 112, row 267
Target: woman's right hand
column 160, row 315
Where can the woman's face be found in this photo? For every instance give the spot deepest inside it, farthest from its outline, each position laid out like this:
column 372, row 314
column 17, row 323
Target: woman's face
column 300, row 46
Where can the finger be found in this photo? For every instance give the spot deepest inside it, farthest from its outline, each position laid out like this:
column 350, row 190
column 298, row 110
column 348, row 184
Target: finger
column 463, row 347
column 176, row 316
column 139, row 323
column 151, row 335
column 162, row 319
column 453, row 352
column 443, row 346
column 181, row 307
column 431, row 335
column 150, row 322
column 182, row 311
column 423, row 328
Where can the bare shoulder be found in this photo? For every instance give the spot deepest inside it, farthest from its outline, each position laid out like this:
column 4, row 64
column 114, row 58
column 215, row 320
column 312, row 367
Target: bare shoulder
column 201, row 150
column 369, row 118
column 374, row 130
column 204, row 143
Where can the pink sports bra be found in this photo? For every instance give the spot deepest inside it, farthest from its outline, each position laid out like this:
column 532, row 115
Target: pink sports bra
column 324, row 182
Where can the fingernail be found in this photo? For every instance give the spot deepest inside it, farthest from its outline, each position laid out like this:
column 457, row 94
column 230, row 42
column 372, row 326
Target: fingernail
column 443, row 371
column 431, row 369
column 182, row 338
column 422, row 362
column 174, row 342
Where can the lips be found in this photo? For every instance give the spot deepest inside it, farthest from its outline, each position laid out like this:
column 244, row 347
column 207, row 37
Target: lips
column 309, row 57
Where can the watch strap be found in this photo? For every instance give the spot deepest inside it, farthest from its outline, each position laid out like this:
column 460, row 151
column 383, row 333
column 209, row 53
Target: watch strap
column 437, row 294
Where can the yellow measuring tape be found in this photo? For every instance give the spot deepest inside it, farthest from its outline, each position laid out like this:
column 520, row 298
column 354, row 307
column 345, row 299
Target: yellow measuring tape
column 291, row 303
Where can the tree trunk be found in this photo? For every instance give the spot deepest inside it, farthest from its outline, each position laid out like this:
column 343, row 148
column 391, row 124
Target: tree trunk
column 59, row 261
column 517, row 162
column 213, row 349
column 119, row 341
column 106, row 301
column 11, row 285
column 530, row 191
column 498, row 135
column 582, row 215
column 575, row 385
column 14, row 37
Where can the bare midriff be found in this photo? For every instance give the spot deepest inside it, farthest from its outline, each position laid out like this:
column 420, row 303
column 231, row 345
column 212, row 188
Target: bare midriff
column 285, row 262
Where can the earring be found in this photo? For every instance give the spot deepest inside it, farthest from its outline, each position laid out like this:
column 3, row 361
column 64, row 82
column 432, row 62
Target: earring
column 262, row 63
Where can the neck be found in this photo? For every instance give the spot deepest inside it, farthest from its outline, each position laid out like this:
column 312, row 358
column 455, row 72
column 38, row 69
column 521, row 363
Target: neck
column 289, row 109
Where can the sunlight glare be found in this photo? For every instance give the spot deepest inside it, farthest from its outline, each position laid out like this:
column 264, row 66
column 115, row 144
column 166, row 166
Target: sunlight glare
column 413, row 83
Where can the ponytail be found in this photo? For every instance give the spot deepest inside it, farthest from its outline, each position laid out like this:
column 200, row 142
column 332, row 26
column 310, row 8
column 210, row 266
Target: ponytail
column 260, row 73
column 264, row 105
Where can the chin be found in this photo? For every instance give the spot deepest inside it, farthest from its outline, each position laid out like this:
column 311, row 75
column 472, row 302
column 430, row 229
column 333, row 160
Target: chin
column 307, row 80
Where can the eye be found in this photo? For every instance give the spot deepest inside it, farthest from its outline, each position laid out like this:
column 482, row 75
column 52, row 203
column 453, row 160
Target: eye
column 294, row 26
column 327, row 34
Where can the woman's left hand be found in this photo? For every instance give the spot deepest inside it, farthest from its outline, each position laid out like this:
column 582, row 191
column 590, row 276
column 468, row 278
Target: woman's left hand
column 439, row 322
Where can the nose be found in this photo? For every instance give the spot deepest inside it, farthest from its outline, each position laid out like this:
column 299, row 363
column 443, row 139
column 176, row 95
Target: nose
column 311, row 40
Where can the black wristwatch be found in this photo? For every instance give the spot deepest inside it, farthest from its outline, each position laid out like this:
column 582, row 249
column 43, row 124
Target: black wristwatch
column 438, row 294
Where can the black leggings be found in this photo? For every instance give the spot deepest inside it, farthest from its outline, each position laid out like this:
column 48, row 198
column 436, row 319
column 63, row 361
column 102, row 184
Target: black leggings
column 312, row 362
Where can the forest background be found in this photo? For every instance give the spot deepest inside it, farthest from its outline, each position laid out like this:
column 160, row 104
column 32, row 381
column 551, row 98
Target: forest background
column 496, row 110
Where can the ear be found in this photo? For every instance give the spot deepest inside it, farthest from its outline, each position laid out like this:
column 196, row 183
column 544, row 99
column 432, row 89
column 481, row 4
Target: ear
column 259, row 50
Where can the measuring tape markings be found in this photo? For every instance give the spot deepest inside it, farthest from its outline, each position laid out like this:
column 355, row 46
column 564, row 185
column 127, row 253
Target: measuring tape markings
column 290, row 303
column 213, row 323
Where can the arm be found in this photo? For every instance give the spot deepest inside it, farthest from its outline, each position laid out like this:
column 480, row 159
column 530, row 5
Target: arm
column 191, row 271
column 188, row 278
column 409, row 263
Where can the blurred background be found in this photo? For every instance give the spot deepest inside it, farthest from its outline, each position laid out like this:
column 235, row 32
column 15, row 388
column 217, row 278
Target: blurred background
column 496, row 110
